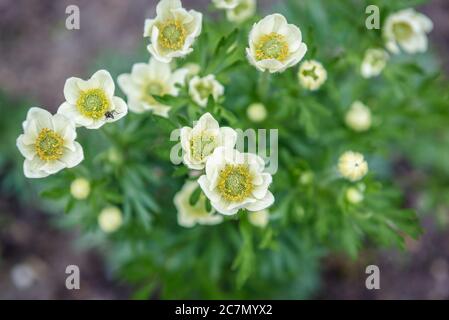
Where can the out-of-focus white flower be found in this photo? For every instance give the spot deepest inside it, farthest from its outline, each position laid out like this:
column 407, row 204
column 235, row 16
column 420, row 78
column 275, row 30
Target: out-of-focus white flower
column 275, row 45
column 201, row 88
column 259, row 218
column 80, row 188
column 199, row 142
column 256, row 112
column 48, row 144
column 92, row 103
column 173, row 31
column 312, row 74
column 193, row 69
column 354, row 195
column 374, row 62
column 150, row 79
column 235, row 181
column 244, row 10
column 188, row 215
column 407, row 29
column 110, row 219
column 306, row 177
column 23, row 276
column 352, row 166
column 358, row 117
column 226, row 4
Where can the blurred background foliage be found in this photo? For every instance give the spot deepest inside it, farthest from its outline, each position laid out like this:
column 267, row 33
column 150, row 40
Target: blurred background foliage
column 128, row 163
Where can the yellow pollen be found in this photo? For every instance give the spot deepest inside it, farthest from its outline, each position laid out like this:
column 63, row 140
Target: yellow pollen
column 172, row 35
column 49, row 145
column 235, row 182
column 272, row 46
column 93, row 103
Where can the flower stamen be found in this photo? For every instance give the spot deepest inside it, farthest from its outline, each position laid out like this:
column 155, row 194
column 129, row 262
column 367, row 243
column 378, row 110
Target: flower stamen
column 235, row 182
column 202, row 145
column 93, row 103
column 272, row 46
column 172, row 35
column 49, row 145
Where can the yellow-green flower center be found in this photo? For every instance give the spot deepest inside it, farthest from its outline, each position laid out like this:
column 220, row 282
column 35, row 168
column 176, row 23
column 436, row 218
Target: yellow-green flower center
column 310, row 73
column 202, row 146
column 93, row 103
column 198, row 210
column 240, row 8
column 172, row 35
column 235, row 183
column 49, row 145
column 153, row 88
column 272, row 46
column 402, row 30
column 377, row 59
column 204, row 89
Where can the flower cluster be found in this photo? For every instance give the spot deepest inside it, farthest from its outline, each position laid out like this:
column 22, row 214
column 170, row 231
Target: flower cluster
column 229, row 180
column 48, row 142
column 237, row 11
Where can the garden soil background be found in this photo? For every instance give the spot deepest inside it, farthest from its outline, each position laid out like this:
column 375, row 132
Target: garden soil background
column 37, row 54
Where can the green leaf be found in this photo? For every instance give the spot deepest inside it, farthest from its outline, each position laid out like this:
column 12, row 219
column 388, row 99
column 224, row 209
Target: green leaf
column 54, row 193
column 245, row 260
column 195, row 196
column 180, row 171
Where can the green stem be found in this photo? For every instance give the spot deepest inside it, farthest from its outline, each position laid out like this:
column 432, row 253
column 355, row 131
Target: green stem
column 263, row 85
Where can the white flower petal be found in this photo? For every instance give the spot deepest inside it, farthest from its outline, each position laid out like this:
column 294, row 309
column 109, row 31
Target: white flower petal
column 31, row 168
column 73, row 158
column 27, row 150
column 72, row 89
column 260, row 191
column 204, row 184
column 264, row 203
column 105, row 81
column 41, row 117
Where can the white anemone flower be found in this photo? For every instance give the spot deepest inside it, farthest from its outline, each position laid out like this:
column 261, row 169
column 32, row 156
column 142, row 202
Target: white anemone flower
column 226, row 4
column 275, row 45
column 358, row 117
column 147, row 80
column 199, row 142
column 91, row 103
column 354, row 195
column 48, row 144
column 201, row 88
column 173, row 31
column 235, row 181
column 259, row 219
column 244, row 10
column 257, row 112
column 110, row 219
column 193, row 69
column 80, row 188
column 312, row 75
column 352, row 166
column 188, row 215
column 407, row 30
column 373, row 62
